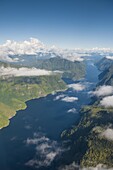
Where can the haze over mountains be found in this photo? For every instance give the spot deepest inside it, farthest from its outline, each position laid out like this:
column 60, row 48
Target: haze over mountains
column 33, row 53
column 13, row 51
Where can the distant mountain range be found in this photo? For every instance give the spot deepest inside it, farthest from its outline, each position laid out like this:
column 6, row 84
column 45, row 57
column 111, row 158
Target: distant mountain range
column 13, row 51
column 69, row 69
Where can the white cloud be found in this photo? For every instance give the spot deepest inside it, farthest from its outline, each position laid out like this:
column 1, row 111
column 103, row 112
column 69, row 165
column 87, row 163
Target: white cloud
column 98, row 167
column 107, row 101
column 73, row 166
column 23, row 71
column 20, row 48
column 33, row 47
column 73, row 110
column 59, row 97
column 46, row 151
column 77, row 86
column 28, row 127
column 36, row 140
column 108, row 134
column 69, row 99
column 73, row 56
column 103, row 91
column 65, row 98
column 109, row 57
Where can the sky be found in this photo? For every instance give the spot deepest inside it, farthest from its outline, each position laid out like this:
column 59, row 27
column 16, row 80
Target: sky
column 64, row 23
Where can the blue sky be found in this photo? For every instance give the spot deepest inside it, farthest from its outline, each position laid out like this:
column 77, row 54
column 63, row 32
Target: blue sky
column 64, row 23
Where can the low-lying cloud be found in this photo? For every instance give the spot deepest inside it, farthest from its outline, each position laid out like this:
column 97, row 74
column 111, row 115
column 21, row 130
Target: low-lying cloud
column 103, row 91
column 77, row 86
column 69, row 99
column 65, row 98
column 46, row 151
column 23, row 71
column 109, row 57
column 107, row 101
column 108, row 134
column 33, row 46
column 59, row 97
column 73, row 166
column 73, row 56
column 73, row 110
column 30, row 47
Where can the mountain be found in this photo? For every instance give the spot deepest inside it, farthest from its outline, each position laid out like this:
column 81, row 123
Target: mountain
column 15, row 91
column 24, row 75
column 33, row 53
column 32, row 78
column 70, row 69
column 88, row 144
column 74, row 70
column 104, row 63
column 90, row 140
column 106, row 77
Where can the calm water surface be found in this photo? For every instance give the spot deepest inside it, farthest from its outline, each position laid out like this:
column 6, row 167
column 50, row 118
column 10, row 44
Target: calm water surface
column 32, row 140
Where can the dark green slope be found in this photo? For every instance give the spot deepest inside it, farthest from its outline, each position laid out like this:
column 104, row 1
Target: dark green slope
column 88, row 147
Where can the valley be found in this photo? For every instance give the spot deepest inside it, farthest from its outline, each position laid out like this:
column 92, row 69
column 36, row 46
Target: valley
column 70, row 84
column 44, row 118
column 90, row 144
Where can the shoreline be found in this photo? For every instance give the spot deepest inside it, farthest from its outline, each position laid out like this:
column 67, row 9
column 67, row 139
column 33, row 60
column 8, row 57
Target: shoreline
column 8, row 121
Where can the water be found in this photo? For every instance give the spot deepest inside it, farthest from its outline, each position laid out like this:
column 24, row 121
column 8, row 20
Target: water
column 32, row 140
